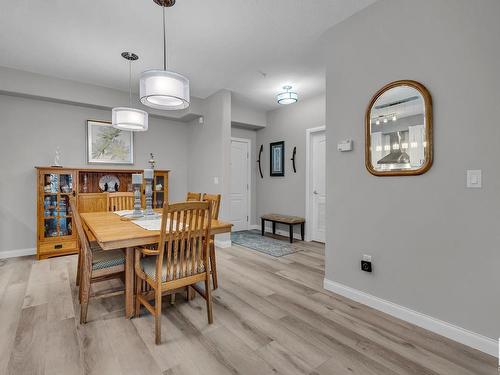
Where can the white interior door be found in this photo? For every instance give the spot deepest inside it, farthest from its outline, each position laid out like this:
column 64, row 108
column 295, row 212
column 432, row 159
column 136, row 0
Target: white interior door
column 239, row 184
column 318, row 191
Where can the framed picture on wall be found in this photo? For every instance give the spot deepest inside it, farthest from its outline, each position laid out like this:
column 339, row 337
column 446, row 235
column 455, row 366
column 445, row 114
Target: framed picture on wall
column 277, row 159
column 107, row 145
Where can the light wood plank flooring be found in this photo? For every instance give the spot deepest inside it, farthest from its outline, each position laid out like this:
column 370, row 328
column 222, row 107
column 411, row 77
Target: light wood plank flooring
column 272, row 316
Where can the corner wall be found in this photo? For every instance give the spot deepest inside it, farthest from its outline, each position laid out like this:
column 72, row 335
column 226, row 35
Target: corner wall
column 209, row 151
column 435, row 244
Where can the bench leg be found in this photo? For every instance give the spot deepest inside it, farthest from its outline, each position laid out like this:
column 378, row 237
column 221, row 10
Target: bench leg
column 302, row 231
column 291, row 233
column 274, row 227
column 262, row 221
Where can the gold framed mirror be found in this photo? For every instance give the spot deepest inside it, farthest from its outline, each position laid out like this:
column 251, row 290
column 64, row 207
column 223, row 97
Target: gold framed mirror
column 398, row 130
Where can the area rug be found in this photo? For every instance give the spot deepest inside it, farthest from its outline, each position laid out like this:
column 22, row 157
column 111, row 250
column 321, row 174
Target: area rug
column 267, row 245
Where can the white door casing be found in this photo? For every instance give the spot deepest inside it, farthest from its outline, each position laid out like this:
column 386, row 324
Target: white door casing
column 319, row 187
column 240, row 184
column 315, row 184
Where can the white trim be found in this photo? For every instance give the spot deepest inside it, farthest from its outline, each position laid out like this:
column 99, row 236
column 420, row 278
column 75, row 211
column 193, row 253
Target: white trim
column 249, row 177
column 223, row 243
column 17, row 253
column 451, row 331
column 308, row 179
column 254, row 226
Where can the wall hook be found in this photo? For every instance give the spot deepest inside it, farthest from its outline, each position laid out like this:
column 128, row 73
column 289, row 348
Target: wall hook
column 293, row 159
column 258, row 161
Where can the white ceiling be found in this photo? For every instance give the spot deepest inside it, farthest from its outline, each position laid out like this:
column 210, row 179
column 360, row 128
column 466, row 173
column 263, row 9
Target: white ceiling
column 217, row 44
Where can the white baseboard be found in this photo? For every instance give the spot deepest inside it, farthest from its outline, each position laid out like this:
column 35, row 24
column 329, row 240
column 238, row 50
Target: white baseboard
column 17, row 253
column 451, row 331
column 254, row 226
column 222, row 243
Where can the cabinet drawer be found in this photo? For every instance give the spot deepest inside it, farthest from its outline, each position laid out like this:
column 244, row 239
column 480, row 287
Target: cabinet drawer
column 51, row 247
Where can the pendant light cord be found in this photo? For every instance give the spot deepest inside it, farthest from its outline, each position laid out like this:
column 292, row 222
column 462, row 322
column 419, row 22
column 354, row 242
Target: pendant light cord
column 130, row 83
column 164, row 42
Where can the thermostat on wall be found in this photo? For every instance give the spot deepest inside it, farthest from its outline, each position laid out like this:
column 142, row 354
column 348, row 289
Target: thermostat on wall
column 345, row 145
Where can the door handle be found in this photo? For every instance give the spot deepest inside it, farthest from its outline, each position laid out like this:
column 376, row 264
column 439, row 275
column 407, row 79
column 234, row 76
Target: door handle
column 315, row 192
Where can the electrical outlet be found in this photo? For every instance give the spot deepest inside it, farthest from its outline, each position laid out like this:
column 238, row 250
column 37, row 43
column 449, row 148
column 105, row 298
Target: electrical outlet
column 366, row 266
column 366, row 263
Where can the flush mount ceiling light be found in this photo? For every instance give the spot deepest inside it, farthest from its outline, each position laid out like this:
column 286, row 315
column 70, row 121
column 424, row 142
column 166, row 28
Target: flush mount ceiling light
column 287, row 97
column 128, row 118
column 164, row 89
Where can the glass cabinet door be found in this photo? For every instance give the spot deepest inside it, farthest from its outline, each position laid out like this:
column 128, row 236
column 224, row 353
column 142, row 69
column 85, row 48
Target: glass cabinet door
column 57, row 190
column 159, row 191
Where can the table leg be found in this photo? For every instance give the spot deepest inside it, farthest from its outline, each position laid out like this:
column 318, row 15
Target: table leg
column 291, row 233
column 262, row 222
column 274, row 227
column 129, row 283
column 302, row 231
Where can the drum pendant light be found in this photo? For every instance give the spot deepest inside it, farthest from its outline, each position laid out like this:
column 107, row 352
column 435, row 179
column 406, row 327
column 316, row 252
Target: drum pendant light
column 128, row 118
column 162, row 88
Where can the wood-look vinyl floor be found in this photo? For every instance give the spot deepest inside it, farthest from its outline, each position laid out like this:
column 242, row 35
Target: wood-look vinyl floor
column 272, row 316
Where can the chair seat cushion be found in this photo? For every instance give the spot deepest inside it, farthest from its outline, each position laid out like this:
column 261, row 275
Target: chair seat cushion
column 148, row 265
column 102, row 259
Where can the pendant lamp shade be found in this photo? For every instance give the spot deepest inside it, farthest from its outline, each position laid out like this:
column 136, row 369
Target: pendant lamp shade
column 130, row 119
column 164, row 89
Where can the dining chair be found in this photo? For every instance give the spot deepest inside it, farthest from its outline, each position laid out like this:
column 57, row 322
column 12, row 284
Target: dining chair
column 193, row 197
column 121, row 201
column 97, row 264
column 214, row 199
column 179, row 260
column 90, row 202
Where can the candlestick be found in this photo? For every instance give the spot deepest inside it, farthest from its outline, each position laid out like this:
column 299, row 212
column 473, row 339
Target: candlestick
column 148, row 174
column 137, row 198
column 137, row 179
column 148, row 212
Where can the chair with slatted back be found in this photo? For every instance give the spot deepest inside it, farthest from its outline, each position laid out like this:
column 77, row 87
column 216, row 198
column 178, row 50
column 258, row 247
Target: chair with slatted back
column 193, row 197
column 121, row 201
column 214, row 199
column 97, row 264
column 179, row 260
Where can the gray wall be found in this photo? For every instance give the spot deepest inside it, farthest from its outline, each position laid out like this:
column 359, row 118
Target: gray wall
column 245, row 115
column 286, row 195
column 31, row 129
column 252, row 135
column 441, row 257
column 210, row 150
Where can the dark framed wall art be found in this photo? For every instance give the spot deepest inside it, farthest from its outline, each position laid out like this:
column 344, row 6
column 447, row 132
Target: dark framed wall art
column 277, row 156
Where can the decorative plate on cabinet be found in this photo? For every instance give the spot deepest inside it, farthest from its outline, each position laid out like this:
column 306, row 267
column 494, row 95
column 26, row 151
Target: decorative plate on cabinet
column 109, row 183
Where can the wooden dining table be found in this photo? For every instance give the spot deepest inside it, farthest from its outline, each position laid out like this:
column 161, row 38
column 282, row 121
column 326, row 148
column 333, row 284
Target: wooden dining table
column 112, row 232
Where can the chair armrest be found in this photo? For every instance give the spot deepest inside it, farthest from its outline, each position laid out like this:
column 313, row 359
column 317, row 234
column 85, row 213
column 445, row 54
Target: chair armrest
column 146, row 251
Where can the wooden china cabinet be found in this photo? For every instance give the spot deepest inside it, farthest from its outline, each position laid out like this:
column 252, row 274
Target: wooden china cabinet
column 55, row 233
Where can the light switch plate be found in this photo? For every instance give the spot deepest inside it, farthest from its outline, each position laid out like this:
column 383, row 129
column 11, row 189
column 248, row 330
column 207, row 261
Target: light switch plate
column 345, row 145
column 474, row 178
column 216, row 180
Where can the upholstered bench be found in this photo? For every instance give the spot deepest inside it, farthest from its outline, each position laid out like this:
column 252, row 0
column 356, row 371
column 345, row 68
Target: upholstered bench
column 284, row 219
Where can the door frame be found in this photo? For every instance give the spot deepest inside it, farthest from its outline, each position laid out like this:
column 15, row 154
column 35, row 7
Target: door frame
column 248, row 141
column 309, row 133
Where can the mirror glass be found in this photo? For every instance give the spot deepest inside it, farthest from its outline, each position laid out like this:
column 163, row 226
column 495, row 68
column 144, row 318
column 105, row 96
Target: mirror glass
column 399, row 131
